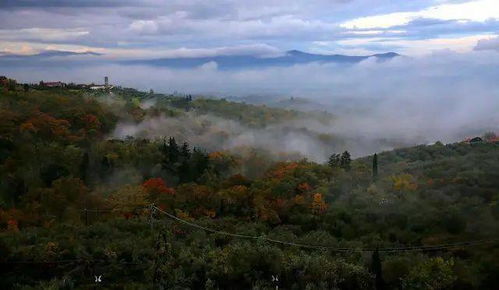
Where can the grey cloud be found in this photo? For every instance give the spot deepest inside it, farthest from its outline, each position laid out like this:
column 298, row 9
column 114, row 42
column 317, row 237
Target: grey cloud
column 256, row 49
column 488, row 44
column 174, row 16
column 424, row 28
column 197, row 23
column 69, row 3
column 427, row 28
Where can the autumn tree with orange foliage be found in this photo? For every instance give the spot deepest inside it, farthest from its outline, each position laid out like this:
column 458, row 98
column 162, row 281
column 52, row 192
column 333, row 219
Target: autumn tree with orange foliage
column 158, row 191
column 283, row 169
column 265, row 212
column 318, row 206
column 156, row 186
column 45, row 126
column 304, row 187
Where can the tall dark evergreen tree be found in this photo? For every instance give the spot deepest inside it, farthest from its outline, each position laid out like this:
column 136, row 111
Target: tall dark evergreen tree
column 173, row 151
column 84, row 167
column 164, row 153
column 200, row 162
column 184, row 168
column 345, row 160
column 53, row 172
column 170, row 153
column 334, row 160
column 106, row 165
column 375, row 167
column 377, row 270
column 185, row 152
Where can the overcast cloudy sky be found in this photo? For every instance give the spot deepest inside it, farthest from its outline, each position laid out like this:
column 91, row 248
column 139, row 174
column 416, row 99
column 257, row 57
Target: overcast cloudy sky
column 157, row 28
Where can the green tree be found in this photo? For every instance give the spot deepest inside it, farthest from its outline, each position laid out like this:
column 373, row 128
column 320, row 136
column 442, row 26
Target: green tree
column 375, row 167
column 334, row 160
column 171, row 154
column 432, row 274
column 345, row 160
column 84, row 164
column 12, row 85
column 377, row 270
column 199, row 163
column 173, row 151
column 185, row 152
column 184, row 168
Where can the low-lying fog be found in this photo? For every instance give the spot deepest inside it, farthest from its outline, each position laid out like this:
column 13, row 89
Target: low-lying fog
column 445, row 96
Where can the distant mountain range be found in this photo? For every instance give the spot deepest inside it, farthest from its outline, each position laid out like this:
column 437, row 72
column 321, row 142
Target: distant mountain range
column 47, row 54
column 290, row 58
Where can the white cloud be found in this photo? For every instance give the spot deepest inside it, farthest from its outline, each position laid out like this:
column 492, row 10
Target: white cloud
column 178, row 27
column 417, row 46
column 480, row 10
column 43, row 34
column 256, row 49
column 30, row 48
column 209, row 66
column 17, row 48
column 144, row 26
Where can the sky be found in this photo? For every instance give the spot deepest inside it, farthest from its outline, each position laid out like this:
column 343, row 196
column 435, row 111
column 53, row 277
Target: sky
column 187, row 28
column 444, row 87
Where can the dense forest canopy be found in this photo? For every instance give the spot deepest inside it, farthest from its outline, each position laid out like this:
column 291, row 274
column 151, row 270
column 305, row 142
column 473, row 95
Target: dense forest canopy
column 161, row 191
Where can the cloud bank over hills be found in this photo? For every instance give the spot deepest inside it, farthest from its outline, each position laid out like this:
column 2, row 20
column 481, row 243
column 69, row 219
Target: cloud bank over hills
column 444, row 96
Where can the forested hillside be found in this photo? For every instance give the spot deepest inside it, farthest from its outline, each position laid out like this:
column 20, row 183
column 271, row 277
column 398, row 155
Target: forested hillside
column 143, row 190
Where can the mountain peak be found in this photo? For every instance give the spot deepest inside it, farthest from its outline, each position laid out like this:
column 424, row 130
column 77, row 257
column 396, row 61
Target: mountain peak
column 387, row 54
column 65, row 53
column 295, row 52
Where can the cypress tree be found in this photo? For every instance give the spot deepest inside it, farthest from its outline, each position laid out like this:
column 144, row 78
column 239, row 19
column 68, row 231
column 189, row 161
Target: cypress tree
column 334, row 160
column 171, row 154
column 184, row 169
column 185, row 152
column 200, row 162
column 84, row 167
column 375, row 167
column 173, row 151
column 377, row 270
column 345, row 160
column 164, row 151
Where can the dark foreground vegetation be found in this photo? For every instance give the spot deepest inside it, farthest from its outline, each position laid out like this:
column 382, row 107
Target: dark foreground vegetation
column 80, row 210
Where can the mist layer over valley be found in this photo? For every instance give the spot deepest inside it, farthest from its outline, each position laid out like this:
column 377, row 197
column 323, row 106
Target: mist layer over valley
column 373, row 105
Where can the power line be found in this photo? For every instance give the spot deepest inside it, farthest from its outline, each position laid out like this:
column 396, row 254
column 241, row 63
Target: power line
column 330, row 248
column 276, row 241
column 113, row 209
column 69, row 261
